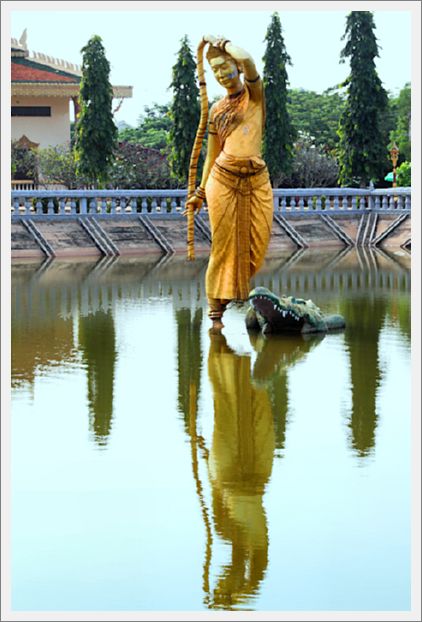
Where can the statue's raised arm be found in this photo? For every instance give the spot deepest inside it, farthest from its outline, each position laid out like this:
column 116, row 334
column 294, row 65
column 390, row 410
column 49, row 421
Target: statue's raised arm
column 244, row 61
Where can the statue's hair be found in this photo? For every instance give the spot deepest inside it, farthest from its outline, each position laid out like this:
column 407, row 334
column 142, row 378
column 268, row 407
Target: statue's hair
column 214, row 52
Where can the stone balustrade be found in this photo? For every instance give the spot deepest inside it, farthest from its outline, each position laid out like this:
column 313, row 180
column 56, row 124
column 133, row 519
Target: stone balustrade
column 170, row 203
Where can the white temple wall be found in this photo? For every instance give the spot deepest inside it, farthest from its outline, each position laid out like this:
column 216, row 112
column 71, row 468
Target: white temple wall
column 47, row 131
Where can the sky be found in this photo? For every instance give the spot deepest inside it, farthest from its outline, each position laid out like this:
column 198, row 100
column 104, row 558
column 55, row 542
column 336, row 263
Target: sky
column 142, row 43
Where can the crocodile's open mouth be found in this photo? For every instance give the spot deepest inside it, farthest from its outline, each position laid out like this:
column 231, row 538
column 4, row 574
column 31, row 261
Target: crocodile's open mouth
column 274, row 312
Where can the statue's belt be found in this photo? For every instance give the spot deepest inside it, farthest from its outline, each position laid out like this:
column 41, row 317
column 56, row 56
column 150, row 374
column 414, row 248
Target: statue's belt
column 241, row 171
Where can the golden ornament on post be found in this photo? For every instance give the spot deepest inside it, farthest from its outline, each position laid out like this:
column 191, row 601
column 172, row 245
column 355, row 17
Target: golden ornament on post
column 394, row 155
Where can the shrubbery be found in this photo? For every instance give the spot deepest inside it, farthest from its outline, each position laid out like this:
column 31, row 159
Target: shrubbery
column 136, row 167
column 24, row 162
column 311, row 168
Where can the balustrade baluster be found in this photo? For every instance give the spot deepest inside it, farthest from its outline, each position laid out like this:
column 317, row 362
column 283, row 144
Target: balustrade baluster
column 144, row 205
column 407, row 201
column 38, row 206
column 318, row 203
column 154, row 205
column 92, row 206
column 133, row 208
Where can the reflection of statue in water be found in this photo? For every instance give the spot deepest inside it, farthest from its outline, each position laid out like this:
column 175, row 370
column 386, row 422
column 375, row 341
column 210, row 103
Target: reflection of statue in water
column 235, row 179
column 240, row 464
column 97, row 342
column 249, row 423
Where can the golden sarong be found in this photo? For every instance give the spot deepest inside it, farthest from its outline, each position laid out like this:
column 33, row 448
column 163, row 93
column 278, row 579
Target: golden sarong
column 240, row 207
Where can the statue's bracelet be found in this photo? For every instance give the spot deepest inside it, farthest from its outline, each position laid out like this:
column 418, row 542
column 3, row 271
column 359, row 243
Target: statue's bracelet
column 200, row 193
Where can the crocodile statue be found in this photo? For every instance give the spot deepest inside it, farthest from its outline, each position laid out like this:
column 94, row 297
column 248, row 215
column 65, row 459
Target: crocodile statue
column 270, row 314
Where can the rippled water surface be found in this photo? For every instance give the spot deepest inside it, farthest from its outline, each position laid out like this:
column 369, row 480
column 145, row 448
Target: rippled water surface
column 158, row 467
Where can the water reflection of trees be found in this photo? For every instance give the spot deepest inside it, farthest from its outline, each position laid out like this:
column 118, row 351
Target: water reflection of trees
column 364, row 323
column 97, row 342
column 189, row 360
column 39, row 339
column 275, row 357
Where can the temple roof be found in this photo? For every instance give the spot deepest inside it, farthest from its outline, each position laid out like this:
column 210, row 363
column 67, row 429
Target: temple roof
column 25, row 70
column 36, row 74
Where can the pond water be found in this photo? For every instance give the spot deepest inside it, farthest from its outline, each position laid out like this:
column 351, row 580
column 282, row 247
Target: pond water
column 157, row 467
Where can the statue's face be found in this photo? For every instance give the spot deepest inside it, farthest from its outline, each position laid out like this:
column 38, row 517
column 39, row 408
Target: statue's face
column 225, row 71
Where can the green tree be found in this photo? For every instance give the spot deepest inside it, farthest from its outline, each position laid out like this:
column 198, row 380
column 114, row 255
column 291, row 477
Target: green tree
column 363, row 144
column 184, row 112
column 317, row 115
column 96, row 132
column 401, row 134
column 404, row 177
column 279, row 133
column 153, row 129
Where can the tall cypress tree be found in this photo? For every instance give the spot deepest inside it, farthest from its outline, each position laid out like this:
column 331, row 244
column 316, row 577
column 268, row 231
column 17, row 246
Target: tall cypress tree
column 363, row 143
column 184, row 111
column 279, row 133
column 96, row 132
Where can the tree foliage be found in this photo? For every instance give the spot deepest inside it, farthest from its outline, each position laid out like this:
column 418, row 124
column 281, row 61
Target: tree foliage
column 363, row 144
column 96, row 132
column 153, row 129
column 316, row 114
column 401, row 133
column 136, row 166
column 184, row 112
column 279, row 133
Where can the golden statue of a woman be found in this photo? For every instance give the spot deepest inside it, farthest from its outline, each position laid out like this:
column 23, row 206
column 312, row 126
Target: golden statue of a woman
column 235, row 179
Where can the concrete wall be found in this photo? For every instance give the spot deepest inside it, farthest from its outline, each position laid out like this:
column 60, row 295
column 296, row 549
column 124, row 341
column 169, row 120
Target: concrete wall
column 67, row 237
column 46, row 131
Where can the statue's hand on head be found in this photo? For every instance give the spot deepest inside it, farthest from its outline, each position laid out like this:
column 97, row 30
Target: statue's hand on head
column 210, row 39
